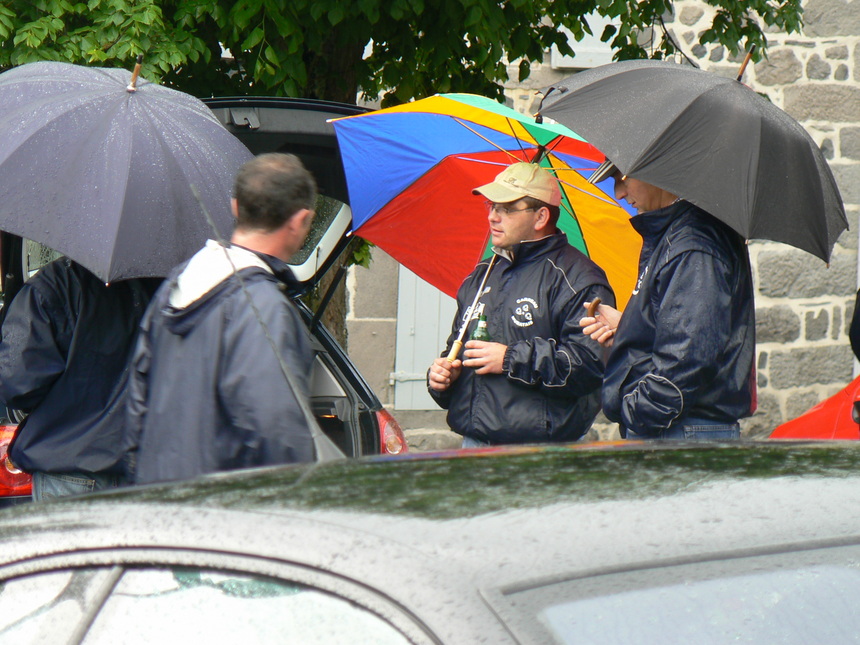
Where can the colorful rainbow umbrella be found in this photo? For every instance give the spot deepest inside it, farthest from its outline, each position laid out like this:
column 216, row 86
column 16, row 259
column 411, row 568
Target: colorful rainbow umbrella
column 410, row 171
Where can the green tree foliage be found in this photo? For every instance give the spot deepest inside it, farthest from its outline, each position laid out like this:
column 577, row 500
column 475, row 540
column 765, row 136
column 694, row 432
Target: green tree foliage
column 332, row 49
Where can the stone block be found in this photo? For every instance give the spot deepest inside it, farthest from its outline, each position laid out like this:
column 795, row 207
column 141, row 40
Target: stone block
column 837, row 52
column 841, row 73
column 767, row 416
column 798, row 403
column 849, row 143
column 817, row 324
column 375, row 293
column 848, row 179
column 823, row 102
column 690, row 15
column 856, row 58
column 371, row 345
column 848, row 239
column 809, row 366
column 795, row 274
column 432, row 439
column 778, row 324
column 717, row 54
column 422, row 419
column 827, row 18
column 837, row 323
column 827, row 149
column 782, row 68
column 817, row 69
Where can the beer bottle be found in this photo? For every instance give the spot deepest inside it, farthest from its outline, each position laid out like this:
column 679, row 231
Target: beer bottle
column 481, row 332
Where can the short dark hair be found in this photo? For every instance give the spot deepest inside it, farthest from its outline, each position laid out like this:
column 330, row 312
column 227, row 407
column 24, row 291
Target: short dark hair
column 270, row 189
column 554, row 211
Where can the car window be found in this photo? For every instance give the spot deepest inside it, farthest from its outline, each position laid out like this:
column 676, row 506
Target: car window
column 792, row 599
column 46, row 607
column 35, row 256
column 326, row 211
column 183, row 605
column 180, row 605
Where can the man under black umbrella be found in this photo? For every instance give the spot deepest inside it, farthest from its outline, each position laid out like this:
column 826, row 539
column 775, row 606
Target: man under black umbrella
column 681, row 358
column 66, row 341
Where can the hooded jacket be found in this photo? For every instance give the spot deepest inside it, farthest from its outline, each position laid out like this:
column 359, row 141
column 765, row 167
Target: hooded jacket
column 686, row 343
column 207, row 390
column 67, row 340
column 550, row 386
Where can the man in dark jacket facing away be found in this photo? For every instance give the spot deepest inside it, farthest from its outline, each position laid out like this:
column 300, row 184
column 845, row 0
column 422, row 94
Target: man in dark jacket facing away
column 67, row 340
column 681, row 363
column 538, row 379
column 208, row 391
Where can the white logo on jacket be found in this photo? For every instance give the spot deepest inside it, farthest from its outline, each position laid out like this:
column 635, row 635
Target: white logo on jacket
column 639, row 281
column 524, row 313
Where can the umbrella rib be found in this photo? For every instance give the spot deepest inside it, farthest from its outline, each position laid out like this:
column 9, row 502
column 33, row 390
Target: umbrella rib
column 478, row 134
column 577, row 188
column 516, row 138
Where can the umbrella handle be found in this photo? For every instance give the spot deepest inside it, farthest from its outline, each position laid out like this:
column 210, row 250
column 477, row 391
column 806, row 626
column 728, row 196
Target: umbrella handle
column 455, row 350
column 458, row 344
column 591, row 309
column 132, row 86
column 745, row 63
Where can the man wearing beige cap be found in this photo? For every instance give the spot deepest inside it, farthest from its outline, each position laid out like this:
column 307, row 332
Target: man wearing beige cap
column 538, row 379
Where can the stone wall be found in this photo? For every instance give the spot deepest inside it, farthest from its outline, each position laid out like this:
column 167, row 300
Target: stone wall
column 803, row 307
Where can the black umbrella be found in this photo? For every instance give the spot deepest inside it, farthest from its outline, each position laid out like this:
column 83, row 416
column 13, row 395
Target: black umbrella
column 712, row 141
column 100, row 168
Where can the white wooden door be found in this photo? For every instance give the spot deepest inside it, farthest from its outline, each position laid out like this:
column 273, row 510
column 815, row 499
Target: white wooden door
column 424, row 319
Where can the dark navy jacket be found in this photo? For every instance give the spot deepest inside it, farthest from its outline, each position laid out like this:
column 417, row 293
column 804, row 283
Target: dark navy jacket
column 207, row 391
column 550, row 385
column 686, row 342
column 67, row 340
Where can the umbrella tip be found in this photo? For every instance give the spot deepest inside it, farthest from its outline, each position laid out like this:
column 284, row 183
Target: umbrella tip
column 132, row 86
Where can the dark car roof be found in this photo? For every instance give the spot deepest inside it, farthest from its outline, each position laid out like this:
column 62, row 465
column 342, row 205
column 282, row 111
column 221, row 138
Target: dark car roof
column 453, row 533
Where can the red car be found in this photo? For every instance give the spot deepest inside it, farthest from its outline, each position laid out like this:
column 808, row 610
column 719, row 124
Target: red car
column 835, row 418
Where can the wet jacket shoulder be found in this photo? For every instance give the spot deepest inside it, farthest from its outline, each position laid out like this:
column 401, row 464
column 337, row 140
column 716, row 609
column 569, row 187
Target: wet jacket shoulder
column 686, row 342
column 67, row 340
column 212, row 366
column 549, row 388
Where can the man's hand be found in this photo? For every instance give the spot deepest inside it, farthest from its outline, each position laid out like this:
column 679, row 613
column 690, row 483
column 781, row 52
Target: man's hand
column 443, row 373
column 485, row 358
column 601, row 327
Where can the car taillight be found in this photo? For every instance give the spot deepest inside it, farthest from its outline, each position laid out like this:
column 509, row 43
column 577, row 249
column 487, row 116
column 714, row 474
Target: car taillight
column 391, row 436
column 13, row 482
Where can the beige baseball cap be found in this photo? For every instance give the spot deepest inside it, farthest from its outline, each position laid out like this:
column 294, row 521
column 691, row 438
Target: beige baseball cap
column 522, row 180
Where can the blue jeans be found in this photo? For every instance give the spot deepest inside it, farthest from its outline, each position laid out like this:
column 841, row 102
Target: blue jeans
column 52, row 485
column 696, row 430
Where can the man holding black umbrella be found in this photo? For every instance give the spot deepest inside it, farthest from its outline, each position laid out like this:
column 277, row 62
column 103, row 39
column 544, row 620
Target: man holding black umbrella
column 66, row 341
column 681, row 363
column 211, row 385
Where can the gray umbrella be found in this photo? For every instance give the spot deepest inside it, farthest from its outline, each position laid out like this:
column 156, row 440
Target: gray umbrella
column 102, row 171
column 712, row 141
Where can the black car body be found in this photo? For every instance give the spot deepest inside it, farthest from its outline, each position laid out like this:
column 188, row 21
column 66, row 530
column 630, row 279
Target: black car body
column 345, row 406
column 631, row 543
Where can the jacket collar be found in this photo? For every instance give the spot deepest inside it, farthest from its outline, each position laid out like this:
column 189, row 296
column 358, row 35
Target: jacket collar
column 655, row 223
column 531, row 249
column 280, row 269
